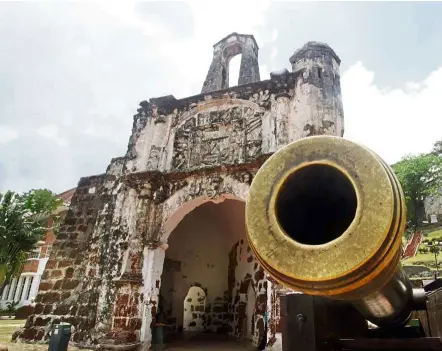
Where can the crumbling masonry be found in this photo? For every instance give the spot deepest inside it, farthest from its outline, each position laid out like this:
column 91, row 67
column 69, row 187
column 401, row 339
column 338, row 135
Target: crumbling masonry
column 130, row 234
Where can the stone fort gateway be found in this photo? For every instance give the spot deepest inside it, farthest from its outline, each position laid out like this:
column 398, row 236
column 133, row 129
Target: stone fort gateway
column 163, row 227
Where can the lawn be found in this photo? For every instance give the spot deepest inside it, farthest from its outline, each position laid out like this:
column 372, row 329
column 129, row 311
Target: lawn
column 426, row 259
column 433, row 235
column 8, row 326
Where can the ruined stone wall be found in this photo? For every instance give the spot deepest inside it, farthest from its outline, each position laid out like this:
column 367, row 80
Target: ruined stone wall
column 65, row 292
column 104, row 274
column 228, row 127
column 245, row 271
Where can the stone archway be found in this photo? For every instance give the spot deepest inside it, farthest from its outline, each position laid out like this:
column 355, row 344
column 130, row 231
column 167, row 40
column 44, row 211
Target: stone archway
column 207, row 248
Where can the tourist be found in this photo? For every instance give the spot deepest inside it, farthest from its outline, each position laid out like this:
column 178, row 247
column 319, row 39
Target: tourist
column 263, row 342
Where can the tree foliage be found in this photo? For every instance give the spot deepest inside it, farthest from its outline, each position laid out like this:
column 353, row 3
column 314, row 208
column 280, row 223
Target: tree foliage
column 23, row 222
column 420, row 176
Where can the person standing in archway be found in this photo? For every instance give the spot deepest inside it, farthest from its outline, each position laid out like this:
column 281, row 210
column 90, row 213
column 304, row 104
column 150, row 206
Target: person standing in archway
column 263, row 343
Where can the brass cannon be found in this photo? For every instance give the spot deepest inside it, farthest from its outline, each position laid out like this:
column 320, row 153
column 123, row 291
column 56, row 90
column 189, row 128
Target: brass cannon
column 325, row 217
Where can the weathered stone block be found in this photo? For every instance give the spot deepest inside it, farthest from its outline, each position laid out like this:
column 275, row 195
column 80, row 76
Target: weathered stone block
column 51, row 297
column 70, row 284
column 44, row 286
column 120, row 323
column 65, row 263
column 62, row 236
column 38, row 309
column 30, row 333
column 62, row 309
column 39, row 321
column 83, row 311
column 82, row 228
column 65, row 295
column 134, row 324
column 51, row 264
column 57, row 273
column 24, row 312
column 57, row 284
column 48, row 309
column 40, row 335
column 69, row 272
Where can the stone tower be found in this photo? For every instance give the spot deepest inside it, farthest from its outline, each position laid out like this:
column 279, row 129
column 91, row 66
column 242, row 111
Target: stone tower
column 163, row 228
column 321, row 87
column 232, row 45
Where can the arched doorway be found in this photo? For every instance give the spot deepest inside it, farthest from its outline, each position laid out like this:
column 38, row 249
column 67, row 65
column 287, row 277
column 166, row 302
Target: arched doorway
column 208, row 259
column 194, row 310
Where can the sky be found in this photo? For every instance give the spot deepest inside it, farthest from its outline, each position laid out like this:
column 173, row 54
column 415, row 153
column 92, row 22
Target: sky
column 73, row 73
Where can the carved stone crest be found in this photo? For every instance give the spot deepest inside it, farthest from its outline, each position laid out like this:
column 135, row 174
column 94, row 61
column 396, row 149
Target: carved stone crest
column 216, row 137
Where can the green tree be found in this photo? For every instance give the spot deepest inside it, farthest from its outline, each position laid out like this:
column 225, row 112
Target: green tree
column 420, row 176
column 23, row 222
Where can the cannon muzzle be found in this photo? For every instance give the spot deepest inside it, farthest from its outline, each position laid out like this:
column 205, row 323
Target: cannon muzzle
column 325, row 216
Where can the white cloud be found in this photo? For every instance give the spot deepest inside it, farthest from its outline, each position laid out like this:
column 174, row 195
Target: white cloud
column 273, row 53
column 50, row 131
column 7, row 134
column 83, row 68
column 392, row 122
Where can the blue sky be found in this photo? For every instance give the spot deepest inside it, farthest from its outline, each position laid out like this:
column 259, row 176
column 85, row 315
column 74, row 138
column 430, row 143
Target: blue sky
column 72, row 74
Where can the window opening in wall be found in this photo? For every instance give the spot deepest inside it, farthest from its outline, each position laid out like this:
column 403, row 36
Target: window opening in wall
column 234, row 66
column 194, row 309
column 320, row 73
column 31, row 280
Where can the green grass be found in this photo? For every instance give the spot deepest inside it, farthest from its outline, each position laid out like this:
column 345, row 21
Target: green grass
column 434, row 235
column 7, row 327
column 425, row 258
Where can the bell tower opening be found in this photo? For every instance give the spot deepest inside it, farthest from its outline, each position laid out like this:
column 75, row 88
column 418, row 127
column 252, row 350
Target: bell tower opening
column 234, row 67
column 237, row 53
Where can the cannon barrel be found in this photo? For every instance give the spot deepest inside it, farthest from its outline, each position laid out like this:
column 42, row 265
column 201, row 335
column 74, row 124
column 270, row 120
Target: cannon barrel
column 325, row 216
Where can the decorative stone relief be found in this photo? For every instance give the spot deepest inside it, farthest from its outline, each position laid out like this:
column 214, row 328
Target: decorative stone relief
column 209, row 186
column 211, row 138
column 262, row 99
column 243, row 177
column 154, row 157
